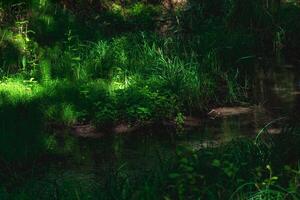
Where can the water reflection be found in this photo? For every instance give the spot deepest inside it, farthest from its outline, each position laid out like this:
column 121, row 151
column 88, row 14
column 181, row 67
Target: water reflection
column 276, row 94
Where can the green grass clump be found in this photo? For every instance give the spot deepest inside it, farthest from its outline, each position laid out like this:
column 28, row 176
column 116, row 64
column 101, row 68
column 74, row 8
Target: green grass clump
column 16, row 91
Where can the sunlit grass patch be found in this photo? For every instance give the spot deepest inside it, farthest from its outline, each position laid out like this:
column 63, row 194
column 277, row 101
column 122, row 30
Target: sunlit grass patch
column 15, row 90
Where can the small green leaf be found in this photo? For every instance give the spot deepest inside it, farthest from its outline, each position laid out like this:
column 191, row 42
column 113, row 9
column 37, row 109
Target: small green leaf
column 216, row 163
column 174, row 175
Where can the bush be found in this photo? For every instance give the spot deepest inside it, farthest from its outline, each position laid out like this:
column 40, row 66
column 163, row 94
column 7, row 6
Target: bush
column 141, row 104
column 105, row 116
column 62, row 113
column 11, row 53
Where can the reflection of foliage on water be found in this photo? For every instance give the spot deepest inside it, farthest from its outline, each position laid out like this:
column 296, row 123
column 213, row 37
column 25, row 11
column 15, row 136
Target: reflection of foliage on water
column 241, row 169
column 57, row 184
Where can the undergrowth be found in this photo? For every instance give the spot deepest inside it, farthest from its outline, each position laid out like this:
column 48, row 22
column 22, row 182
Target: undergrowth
column 66, row 64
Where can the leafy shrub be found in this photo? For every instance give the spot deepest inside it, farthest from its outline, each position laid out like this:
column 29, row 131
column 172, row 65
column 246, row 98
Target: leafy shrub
column 62, row 113
column 142, row 16
column 105, row 116
column 10, row 53
column 93, row 95
column 141, row 104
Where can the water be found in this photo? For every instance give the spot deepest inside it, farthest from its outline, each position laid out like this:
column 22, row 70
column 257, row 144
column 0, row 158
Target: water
column 90, row 162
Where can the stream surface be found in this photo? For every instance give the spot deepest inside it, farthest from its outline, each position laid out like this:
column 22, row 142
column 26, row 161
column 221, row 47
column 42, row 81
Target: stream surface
column 276, row 95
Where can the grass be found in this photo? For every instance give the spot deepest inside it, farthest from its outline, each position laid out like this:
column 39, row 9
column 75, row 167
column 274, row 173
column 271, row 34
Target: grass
column 135, row 65
column 196, row 71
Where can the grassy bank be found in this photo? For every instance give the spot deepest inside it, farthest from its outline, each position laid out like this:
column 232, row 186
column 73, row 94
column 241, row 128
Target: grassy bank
column 109, row 62
column 130, row 78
